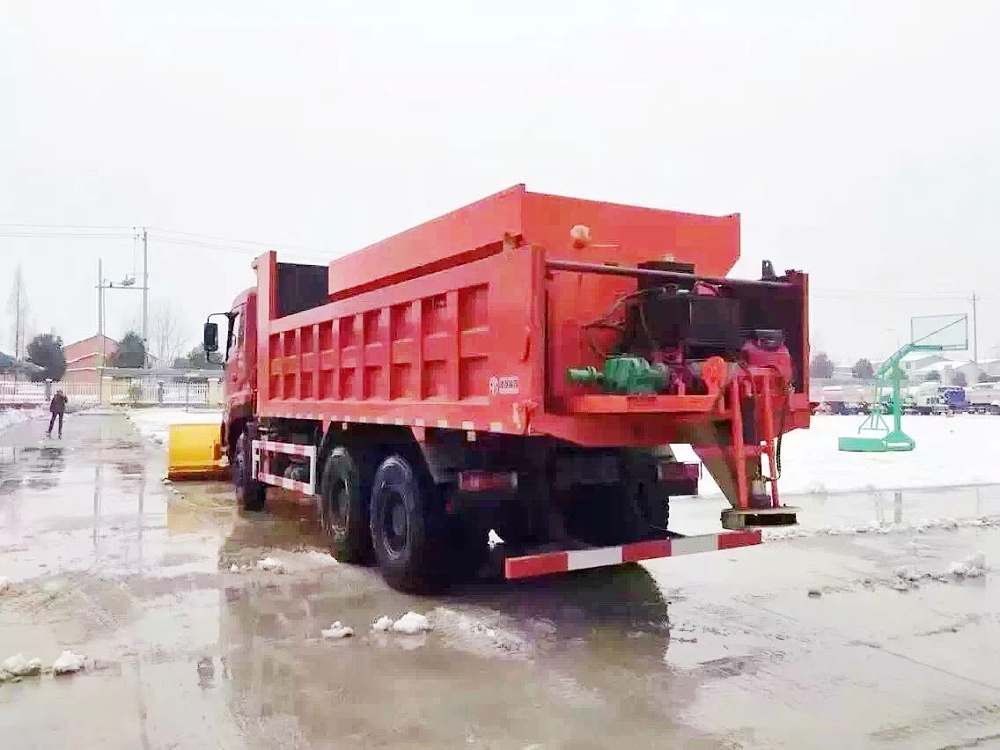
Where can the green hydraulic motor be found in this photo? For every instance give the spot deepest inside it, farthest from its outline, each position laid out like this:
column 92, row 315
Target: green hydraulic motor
column 622, row 375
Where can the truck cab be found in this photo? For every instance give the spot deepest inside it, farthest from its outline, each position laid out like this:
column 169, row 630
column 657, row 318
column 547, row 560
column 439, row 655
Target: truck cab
column 239, row 358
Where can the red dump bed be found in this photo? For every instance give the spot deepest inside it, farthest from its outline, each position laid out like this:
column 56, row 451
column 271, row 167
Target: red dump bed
column 445, row 325
column 474, row 231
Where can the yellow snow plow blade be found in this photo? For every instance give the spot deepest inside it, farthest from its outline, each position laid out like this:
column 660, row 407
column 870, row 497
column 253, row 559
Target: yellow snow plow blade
column 194, row 452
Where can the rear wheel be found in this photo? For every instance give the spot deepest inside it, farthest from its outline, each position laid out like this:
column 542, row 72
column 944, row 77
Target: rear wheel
column 344, row 509
column 250, row 493
column 407, row 527
column 633, row 509
column 646, row 514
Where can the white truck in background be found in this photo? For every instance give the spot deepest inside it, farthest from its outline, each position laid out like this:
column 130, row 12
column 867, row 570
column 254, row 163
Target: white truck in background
column 984, row 398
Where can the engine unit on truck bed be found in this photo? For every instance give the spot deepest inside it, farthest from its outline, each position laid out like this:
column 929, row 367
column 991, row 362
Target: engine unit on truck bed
column 692, row 320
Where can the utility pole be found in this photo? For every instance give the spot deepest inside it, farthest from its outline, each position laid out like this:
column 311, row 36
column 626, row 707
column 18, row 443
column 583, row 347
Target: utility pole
column 145, row 298
column 100, row 311
column 127, row 283
column 975, row 331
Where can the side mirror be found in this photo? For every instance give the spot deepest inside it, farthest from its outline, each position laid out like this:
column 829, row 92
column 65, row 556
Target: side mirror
column 210, row 340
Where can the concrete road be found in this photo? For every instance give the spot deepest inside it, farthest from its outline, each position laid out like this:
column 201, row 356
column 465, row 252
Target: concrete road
column 819, row 641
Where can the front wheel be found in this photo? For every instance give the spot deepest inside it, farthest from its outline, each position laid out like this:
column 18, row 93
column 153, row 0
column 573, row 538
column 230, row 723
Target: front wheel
column 407, row 524
column 251, row 494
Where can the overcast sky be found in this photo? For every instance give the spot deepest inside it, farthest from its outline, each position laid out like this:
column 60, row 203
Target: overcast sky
column 860, row 144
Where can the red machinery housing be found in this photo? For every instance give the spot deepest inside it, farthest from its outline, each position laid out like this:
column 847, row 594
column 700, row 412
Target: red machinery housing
column 521, row 364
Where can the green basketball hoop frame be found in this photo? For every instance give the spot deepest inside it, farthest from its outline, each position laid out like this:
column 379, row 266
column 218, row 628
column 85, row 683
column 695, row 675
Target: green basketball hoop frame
column 928, row 333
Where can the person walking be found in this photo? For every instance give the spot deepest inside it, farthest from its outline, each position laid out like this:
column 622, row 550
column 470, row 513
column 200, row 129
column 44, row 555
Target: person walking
column 57, row 408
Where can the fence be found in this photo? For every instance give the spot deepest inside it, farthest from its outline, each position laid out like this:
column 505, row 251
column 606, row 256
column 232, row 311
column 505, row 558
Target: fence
column 136, row 391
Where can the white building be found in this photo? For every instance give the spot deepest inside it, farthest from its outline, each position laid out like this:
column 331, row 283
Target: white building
column 948, row 369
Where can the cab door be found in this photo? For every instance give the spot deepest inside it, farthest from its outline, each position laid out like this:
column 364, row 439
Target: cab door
column 237, row 371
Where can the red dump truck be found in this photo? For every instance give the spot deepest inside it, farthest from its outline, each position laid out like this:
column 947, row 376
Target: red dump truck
column 522, row 364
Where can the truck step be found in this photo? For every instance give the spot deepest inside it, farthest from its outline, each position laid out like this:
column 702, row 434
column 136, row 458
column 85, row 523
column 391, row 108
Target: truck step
column 563, row 561
column 737, row 519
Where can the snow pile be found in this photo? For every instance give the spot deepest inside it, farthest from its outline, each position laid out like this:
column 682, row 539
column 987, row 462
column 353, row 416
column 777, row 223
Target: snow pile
column 291, row 562
column 974, row 566
column 321, row 558
column 382, row 624
column 338, row 630
column 271, row 565
column 949, row 452
column 411, row 623
column 11, row 417
column 154, row 424
column 18, row 666
column 484, row 632
column 67, row 663
column 874, row 527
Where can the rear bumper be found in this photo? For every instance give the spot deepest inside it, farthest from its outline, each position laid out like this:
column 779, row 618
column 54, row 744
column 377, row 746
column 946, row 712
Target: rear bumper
column 547, row 563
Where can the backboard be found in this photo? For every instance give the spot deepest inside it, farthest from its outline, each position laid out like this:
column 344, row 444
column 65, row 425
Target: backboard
column 940, row 332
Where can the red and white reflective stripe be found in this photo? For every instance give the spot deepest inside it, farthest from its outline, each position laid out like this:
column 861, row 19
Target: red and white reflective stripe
column 547, row 563
column 283, row 482
column 292, row 449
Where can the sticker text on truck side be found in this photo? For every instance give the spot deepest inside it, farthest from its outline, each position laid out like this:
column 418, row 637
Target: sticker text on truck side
column 509, row 385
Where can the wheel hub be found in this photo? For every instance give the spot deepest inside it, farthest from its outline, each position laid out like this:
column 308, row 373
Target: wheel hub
column 343, row 502
column 395, row 524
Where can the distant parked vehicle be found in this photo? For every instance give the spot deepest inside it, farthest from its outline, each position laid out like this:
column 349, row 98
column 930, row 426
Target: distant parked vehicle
column 934, row 398
column 954, row 397
column 984, row 398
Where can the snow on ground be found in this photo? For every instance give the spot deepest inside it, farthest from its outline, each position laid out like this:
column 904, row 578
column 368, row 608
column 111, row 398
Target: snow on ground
column 67, row 663
column 11, row 417
column 154, row 423
column 950, row 451
column 337, row 631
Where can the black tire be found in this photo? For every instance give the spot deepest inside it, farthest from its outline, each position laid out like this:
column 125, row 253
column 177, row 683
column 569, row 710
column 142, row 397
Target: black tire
column 343, row 509
column 408, row 527
column 468, row 550
column 251, row 494
column 646, row 506
column 634, row 509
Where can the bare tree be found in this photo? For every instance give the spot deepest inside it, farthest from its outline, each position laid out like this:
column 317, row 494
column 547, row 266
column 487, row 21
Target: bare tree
column 30, row 331
column 167, row 334
column 17, row 306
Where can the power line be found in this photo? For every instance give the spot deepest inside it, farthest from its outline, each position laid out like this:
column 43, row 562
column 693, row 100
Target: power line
column 231, row 241
column 65, row 226
column 164, row 236
column 66, row 235
column 224, row 247
column 876, row 296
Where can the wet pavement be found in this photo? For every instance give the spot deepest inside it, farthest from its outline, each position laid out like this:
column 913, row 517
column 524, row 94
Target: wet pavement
column 852, row 632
